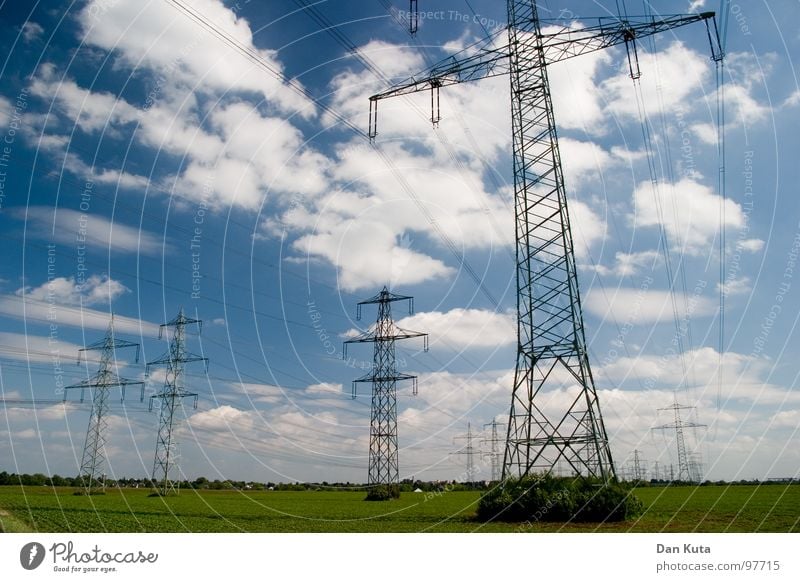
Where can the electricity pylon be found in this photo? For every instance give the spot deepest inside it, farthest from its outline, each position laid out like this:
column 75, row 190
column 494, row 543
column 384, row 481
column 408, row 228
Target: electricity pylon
column 468, row 450
column 94, row 454
column 171, row 396
column 551, row 340
column 494, row 449
column 384, row 468
column 639, row 470
column 688, row 470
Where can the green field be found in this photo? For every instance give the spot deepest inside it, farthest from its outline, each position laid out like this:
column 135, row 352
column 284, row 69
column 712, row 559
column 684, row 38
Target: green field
column 738, row 508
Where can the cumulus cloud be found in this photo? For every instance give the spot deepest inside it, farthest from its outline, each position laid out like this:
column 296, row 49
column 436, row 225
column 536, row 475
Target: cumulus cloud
column 627, row 264
column 31, row 31
column 374, row 234
column 643, row 306
column 89, row 111
column 674, row 74
column 464, row 328
column 66, row 291
column 793, row 99
column 751, row 245
column 736, row 286
column 235, row 152
column 155, row 35
column 687, row 210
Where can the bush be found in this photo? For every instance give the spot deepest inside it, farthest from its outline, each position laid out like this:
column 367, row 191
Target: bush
column 548, row 498
column 383, row 493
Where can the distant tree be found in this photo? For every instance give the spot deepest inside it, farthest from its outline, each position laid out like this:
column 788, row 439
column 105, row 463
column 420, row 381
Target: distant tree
column 200, row 483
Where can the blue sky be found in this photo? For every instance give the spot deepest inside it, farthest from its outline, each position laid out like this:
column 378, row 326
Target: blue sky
column 147, row 165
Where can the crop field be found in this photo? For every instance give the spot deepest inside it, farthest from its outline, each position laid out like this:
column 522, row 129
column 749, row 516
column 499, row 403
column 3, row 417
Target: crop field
column 737, row 508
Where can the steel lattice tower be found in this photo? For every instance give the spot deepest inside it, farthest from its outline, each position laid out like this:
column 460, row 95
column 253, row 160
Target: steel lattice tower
column 551, row 340
column 687, row 470
column 171, row 398
column 384, row 468
column 469, row 451
column 94, row 455
column 494, row 451
column 639, row 471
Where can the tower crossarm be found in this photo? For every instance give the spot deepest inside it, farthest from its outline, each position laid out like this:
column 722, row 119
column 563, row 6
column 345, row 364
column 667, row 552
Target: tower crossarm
column 109, row 343
column 167, row 358
column 565, row 42
column 104, row 380
column 397, row 334
column 451, row 71
column 682, row 424
column 560, row 45
column 569, row 42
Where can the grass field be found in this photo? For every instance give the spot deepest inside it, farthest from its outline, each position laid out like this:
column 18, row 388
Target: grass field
column 773, row 508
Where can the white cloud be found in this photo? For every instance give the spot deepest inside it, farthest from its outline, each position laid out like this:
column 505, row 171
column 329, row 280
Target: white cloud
column 89, row 111
column 100, row 233
column 53, row 412
column 644, row 306
column 587, row 228
column 325, row 388
column 5, row 111
column 233, row 153
column 786, row 418
column 157, row 36
column 751, row 245
column 223, row 418
column 467, row 106
column 34, row 348
column 256, row 154
column 793, row 99
column 738, row 286
column 696, row 5
column 669, row 78
column 688, row 211
column 743, row 107
column 368, row 255
column 706, row 132
column 373, row 237
column 44, row 312
column 31, row 31
column 703, row 368
column 464, row 328
column 583, row 161
column 627, row 264
column 66, row 291
column 577, row 101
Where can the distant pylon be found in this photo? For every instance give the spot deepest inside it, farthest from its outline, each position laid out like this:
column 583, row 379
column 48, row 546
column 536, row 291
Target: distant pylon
column 685, row 470
column 173, row 393
column 384, row 467
column 468, row 450
column 638, row 466
column 94, row 455
column 494, row 453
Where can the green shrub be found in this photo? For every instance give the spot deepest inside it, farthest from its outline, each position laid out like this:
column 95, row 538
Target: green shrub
column 547, row 498
column 383, row 493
